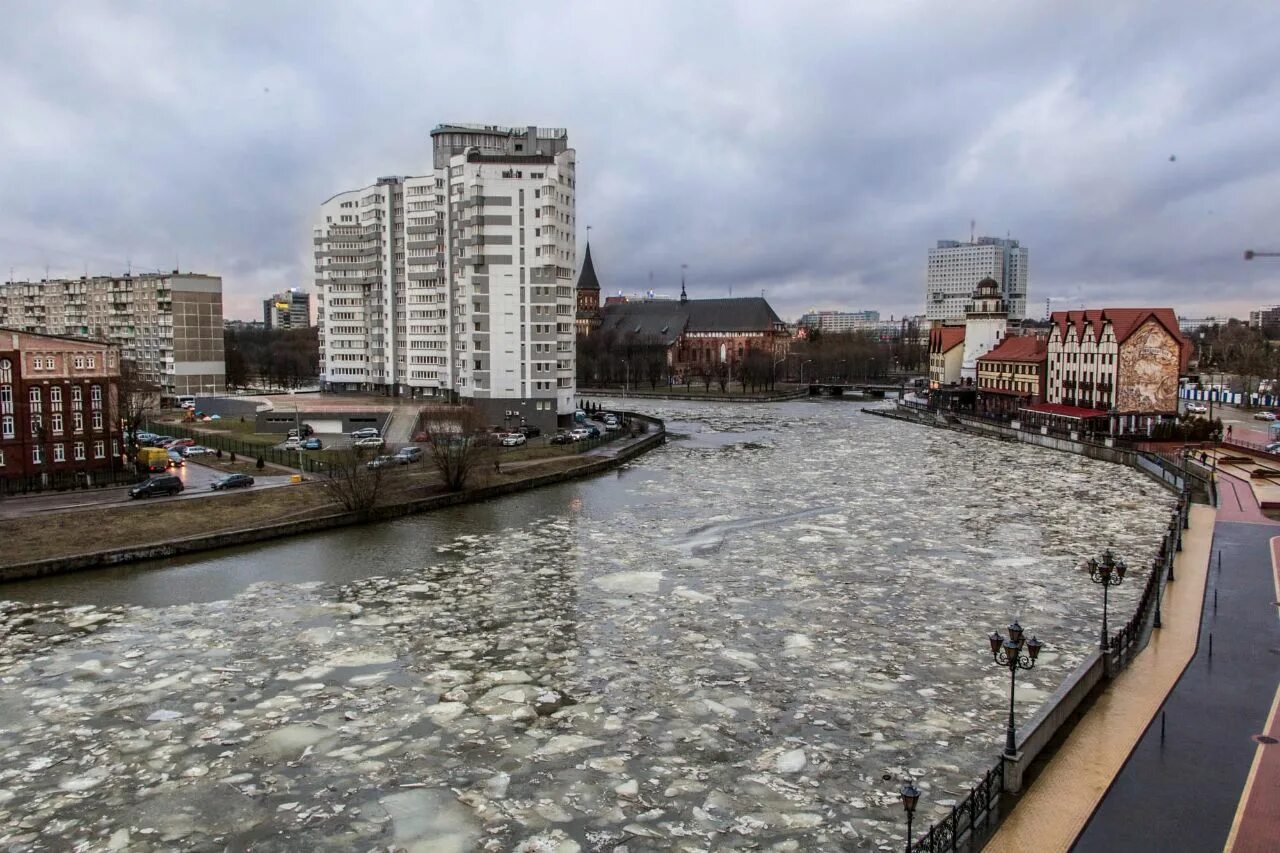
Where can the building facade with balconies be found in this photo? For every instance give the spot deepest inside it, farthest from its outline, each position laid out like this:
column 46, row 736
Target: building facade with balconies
column 954, row 266
column 458, row 283
column 169, row 325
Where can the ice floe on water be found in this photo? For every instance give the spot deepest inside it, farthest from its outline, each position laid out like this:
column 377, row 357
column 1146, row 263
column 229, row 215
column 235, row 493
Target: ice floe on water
column 780, row 621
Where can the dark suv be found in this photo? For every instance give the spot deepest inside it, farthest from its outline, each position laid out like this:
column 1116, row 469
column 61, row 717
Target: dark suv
column 529, row 430
column 161, row 484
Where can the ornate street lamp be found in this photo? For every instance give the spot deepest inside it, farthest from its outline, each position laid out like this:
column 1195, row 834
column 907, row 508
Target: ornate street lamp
column 910, row 796
column 1108, row 571
column 1009, row 653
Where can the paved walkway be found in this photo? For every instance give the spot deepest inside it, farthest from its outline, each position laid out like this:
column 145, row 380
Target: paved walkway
column 1057, row 805
column 1185, row 764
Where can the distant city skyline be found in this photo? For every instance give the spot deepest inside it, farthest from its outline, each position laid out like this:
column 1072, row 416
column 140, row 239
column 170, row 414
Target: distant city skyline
column 1130, row 148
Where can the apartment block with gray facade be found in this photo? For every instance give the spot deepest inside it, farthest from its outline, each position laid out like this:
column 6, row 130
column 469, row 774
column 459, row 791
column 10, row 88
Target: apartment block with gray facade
column 457, row 283
column 955, row 268
column 168, row 324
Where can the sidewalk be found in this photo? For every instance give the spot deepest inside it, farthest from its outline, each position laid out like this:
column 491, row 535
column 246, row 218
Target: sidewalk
column 1056, row 807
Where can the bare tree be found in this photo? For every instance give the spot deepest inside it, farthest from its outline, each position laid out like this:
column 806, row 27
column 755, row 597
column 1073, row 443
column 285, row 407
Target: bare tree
column 136, row 396
column 460, row 443
column 352, row 482
column 722, row 376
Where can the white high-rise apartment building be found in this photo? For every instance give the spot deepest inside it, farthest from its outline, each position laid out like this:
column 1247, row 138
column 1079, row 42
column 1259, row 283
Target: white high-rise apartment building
column 457, row 283
column 169, row 325
column 955, row 269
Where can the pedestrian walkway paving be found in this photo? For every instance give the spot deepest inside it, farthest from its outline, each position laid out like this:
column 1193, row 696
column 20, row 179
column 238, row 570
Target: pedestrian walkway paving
column 1054, row 810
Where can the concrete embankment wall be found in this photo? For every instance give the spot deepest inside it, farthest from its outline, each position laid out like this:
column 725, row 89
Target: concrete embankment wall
column 208, row 542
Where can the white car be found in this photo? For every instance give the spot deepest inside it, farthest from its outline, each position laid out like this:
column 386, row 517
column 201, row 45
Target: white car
column 1197, row 408
column 292, row 443
column 579, row 434
column 1264, row 416
column 199, row 450
column 370, row 441
column 511, row 439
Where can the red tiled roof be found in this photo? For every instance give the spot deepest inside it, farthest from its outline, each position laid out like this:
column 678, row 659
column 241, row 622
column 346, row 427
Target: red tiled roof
column 1124, row 321
column 943, row 338
column 1019, row 348
column 1076, row 412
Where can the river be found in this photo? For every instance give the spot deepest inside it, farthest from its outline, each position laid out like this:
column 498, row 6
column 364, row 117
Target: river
column 748, row 637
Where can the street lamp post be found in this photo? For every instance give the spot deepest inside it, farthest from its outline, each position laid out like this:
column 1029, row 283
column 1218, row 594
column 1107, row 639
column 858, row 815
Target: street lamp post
column 802, row 364
column 910, row 796
column 626, row 386
column 1009, row 653
column 1108, row 571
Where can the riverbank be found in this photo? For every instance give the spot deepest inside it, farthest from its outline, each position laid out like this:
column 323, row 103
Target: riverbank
column 58, row 543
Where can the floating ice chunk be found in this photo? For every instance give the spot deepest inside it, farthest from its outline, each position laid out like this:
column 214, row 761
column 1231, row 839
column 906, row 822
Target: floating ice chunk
column 443, row 712
column 630, row 582
column 561, row 744
column 692, row 594
column 430, row 821
column 628, row 789
column 163, row 716
column 791, row 761
column 92, row 779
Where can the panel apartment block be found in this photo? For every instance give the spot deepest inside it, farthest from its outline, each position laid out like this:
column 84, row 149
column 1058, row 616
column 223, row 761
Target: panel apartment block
column 955, row 268
column 168, row 324
column 457, row 284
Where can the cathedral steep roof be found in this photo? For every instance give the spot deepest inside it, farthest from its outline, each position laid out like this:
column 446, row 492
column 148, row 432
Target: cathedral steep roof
column 587, row 278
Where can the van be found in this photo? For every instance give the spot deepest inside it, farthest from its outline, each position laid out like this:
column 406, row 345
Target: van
column 161, row 484
column 153, row 458
column 186, row 401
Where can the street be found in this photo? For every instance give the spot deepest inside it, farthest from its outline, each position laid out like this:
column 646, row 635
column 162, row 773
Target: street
column 196, row 478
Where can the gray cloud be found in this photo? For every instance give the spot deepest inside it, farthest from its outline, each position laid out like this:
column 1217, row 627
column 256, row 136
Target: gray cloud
column 813, row 150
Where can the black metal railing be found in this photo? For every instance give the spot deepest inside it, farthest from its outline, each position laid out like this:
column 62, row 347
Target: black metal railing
column 64, row 481
column 975, row 813
column 1127, row 641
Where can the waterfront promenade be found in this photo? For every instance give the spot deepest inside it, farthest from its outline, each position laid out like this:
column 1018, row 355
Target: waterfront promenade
column 1167, row 758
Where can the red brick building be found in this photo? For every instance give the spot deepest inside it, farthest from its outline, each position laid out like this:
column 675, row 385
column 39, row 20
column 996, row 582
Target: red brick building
column 588, row 293
column 59, row 411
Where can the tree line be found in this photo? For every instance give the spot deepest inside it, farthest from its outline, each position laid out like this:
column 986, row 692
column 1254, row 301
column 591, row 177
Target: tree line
column 1240, row 350
column 271, row 358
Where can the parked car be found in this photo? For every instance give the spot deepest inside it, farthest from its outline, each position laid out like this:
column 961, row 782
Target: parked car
column 561, row 438
column 511, row 439
column 409, row 454
column 579, row 434
column 1273, row 447
column 200, row 450
column 592, row 430
column 529, row 431
column 1197, row 408
column 312, row 444
column 1264, row 416
column 292, row 443
column 368, row 441
column 161, row 484
column 366, row 432
column 183, row 442
column 382, row 462
column 164, row 441
column 175, row 459
column 232, row 481
column 307, row 431
column 611, row 426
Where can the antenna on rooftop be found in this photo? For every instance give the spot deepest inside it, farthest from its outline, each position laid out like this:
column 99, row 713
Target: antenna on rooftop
column 973, row 224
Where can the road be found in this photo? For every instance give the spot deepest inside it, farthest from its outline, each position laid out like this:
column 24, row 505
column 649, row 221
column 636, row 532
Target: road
column 196, row 478
column 1243, row 425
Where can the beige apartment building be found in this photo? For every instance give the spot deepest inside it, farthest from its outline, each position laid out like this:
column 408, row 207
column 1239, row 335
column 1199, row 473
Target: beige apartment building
column 168, row 324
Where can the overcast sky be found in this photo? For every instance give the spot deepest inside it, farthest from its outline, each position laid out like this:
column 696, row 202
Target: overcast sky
column 813, row 151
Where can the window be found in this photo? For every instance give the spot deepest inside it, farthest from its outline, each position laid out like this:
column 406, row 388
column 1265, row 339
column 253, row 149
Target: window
column 6, row 426
column 34, row 396
column 59, row 453
column 77, row 421
column 77, row 397
column 92, row 362
column 57, row 423
column 1, row 458
column 99, row 450
column 37, row 455
column 95, row 396
column 6, row 398
column 37, row 424
column 97, row 420
column 78, row 451
column 79, row 362
column 48, row 363
column 6, row 370
column 55, row 397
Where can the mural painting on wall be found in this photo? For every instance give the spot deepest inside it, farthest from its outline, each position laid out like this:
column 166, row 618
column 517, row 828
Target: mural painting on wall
column 1148, row 375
